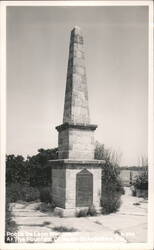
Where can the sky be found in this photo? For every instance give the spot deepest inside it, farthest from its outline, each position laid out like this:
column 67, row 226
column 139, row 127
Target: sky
column 116, row 54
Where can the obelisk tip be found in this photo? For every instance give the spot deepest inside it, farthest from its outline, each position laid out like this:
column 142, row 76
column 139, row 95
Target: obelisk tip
column 76, row 29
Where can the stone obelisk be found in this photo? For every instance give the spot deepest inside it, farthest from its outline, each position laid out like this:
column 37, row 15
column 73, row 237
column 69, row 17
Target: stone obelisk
column 76, row 176
column 76, row 108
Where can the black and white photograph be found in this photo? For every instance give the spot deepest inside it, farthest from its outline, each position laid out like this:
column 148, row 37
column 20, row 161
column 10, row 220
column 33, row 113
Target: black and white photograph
column 78, row 165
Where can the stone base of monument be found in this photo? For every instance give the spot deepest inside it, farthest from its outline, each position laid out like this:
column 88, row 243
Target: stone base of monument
column 76, row 185
column 74, row 212
column 61, row 212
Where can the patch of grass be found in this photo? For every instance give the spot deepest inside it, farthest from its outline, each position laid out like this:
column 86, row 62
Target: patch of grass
column 45, row 223
column 117, row 232
column 97, row 222
column 64, row 229
column 136, row 204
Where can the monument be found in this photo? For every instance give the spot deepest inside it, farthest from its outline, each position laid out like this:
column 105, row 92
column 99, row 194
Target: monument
column 76, row 176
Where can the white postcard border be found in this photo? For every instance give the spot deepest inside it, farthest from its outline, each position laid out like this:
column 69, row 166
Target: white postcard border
column 150, row 244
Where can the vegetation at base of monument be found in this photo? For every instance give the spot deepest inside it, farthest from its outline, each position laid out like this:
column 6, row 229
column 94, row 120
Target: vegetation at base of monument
column 46, row 207
column 82, row 213
column 45, row 194
column 91, row 211
column 30, row 179
column 112, row 187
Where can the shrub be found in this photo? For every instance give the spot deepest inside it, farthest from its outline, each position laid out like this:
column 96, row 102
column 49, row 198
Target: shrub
column 10, row 225
column 112, row 189
column 45, row 194
column 46, row 207
column 82, row 213
column 17, row 192
column 30, row 194
column 140, row 185
column 92, row 211
column 110, row 202
column 141, row 181
column 13, row 192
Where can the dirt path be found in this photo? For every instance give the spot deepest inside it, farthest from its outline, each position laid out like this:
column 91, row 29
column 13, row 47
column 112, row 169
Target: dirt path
column 129, row 224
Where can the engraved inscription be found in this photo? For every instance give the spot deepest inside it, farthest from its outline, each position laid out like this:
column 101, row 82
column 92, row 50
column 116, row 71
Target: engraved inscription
column 84, row 189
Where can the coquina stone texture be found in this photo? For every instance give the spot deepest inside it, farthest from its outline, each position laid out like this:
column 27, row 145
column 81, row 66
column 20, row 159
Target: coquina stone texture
column 76, row 176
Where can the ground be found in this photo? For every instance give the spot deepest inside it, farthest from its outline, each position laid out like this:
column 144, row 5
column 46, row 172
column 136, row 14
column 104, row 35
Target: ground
column 129, row 224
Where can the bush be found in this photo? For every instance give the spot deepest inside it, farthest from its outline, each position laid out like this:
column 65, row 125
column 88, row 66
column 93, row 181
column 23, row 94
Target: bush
column 45, row 194
column 141, row 181
column 10, row 225
column 46, row 207
column 110, row 202
column 82, row 213
column 92, row 211
column 30, row 194
column 15, row 192
column 112, row 189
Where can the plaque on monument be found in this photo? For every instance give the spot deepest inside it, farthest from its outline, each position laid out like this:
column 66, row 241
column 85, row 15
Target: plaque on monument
column 84, row 189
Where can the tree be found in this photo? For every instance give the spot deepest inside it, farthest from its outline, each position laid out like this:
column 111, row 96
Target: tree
column 34, row 171
column 17, row 170
column 24, row 177
column 40, row 170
